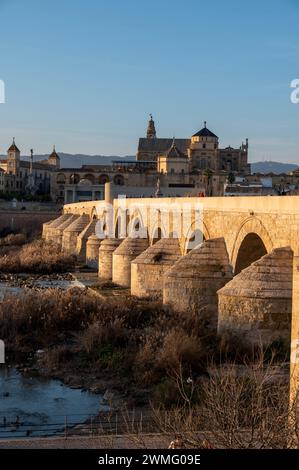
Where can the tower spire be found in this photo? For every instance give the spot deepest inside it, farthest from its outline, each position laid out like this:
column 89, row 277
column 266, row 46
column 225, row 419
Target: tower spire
column 151, row 130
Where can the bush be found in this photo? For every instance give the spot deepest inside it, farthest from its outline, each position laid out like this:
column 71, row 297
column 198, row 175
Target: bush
column 13, row 239
column 140, row 337
column 38, row 257
column 54, row 357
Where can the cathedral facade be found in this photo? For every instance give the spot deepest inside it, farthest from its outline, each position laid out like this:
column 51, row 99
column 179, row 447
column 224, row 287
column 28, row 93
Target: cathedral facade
column 201, row 151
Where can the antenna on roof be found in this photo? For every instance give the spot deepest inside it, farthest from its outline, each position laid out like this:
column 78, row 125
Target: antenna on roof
column 205, row 123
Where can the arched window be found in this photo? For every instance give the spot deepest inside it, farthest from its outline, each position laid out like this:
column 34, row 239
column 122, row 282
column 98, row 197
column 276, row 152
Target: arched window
column 119, row 180
column 74, row 178
column 103, row 179
column 60, row 179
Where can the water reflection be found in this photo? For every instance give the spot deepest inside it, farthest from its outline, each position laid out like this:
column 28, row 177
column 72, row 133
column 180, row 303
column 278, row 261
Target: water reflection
column 38, row 407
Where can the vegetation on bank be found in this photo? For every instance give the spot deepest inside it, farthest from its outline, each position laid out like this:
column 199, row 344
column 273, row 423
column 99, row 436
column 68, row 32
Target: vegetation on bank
column 37, row 257
column 155, row 356
column 202, row 388
column 132, row 338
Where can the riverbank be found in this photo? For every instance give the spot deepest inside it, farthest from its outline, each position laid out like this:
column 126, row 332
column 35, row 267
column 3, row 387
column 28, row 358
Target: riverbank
column 89, row 338
column 128, row 441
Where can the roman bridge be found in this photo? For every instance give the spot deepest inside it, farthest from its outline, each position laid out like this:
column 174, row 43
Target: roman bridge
column 241, row 275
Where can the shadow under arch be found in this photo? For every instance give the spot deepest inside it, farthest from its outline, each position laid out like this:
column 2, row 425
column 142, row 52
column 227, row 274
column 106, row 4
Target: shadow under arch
column 251, row 243
column 157, row 233
column 136, row 226
column 93, row 214
column 251, row 249
column 197, row 234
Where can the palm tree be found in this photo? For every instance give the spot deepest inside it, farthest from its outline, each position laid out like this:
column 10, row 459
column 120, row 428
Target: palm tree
column 231, row 178
column 208, row 174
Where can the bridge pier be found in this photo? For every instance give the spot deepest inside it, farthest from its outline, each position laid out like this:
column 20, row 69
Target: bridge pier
column 83, row 238
column 148, row 268
column 49, row 226
column 92, row 251
column 106, row 250
column 191, row 284
column 71, row 233
column 294, row 362
column 257, row 304
column 122, row 257
column 57, row 232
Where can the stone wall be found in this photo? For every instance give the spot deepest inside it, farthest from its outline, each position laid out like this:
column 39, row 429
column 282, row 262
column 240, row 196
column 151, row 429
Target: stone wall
column 29, row 223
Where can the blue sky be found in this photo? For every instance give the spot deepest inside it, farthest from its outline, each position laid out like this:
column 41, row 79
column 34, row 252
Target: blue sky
column 85, row 74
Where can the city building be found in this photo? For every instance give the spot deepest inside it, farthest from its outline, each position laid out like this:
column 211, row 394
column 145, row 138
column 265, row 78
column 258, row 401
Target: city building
column 20, row 176
column 201, row 149
column 184, row 167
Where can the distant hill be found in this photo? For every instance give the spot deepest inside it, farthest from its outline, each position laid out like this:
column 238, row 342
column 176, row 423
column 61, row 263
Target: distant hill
column 272, row 167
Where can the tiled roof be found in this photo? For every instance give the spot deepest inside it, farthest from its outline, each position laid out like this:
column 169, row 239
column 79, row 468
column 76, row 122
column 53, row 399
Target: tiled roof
column 205, row 132
column 162, row 145
column 174, row 152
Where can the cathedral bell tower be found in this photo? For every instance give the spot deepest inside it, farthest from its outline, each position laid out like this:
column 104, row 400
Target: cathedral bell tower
column 151, row 130
column 54, row 159
column 13, row 159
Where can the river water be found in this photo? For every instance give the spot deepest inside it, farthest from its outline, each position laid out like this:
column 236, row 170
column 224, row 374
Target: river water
column 32, row 407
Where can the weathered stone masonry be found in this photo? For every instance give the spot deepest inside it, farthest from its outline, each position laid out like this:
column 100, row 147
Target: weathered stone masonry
column 260, row 236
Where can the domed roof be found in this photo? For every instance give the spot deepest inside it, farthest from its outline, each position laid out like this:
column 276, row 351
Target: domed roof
column 205, row 132
column 209, row 260
column 166, row 251
column 132, row 247
column 269, row 277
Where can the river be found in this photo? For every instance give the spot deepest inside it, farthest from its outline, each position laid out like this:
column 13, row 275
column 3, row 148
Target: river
column 32, row 407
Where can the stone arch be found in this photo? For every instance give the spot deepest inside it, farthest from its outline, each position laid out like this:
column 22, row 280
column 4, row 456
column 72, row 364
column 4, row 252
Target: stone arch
column 103, row 179
column 93, row 214
column 136, row 223
column 89, row 177
column 74, row 178
column 157, row 233
column 194, row 234
column 119, row 180
column 118, row 220
column 61, row 178
column 251, row 243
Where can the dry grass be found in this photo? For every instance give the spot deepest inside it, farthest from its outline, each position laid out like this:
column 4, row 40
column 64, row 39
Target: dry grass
column 147, row 346
column 141, row 339
column 235, row 411
column 38, row 257
column 13, row 239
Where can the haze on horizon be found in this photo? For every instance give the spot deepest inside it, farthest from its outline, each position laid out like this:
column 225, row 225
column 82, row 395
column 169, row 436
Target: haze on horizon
column 85, row 74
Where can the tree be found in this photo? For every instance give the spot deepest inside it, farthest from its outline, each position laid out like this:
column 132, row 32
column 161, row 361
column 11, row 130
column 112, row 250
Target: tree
column 231, row 178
